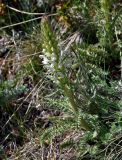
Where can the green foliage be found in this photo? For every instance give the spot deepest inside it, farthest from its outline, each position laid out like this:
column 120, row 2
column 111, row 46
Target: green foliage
column 9, row 92
column 91, row 98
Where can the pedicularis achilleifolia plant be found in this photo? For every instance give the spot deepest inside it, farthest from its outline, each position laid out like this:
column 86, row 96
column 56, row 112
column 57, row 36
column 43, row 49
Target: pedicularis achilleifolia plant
column 56, row 64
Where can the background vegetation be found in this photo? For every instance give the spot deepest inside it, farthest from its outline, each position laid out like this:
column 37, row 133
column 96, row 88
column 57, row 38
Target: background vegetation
column 60, row 80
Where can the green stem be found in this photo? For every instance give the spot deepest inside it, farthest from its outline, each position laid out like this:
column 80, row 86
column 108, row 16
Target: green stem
column 71, row 98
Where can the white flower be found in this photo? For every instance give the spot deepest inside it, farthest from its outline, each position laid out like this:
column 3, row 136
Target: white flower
column 52, row 66
column 41, row 56
column 53, row 58
column 45, row 60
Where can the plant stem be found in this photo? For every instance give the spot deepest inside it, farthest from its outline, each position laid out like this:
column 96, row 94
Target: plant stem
column 71, row 98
